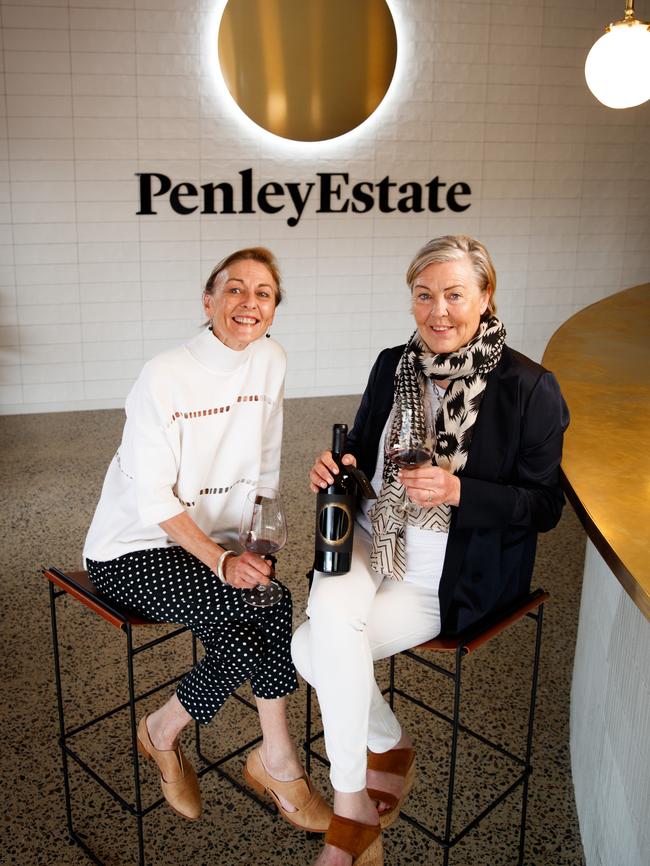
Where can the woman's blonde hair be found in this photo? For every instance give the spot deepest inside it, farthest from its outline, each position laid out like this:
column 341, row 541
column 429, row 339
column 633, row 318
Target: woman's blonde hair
column 451, row 248
column 256, row 254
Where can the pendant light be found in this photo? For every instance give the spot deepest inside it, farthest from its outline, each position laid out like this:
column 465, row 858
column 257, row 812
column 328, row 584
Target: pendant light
column 618, row 66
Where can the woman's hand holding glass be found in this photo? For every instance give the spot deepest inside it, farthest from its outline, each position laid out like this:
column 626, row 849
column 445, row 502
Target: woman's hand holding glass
column 247, row 570
column 430, row 485
column 262, row 532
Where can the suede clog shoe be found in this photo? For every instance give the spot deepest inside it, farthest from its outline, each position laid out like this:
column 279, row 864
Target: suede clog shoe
column 178, row 780
column 311, row 814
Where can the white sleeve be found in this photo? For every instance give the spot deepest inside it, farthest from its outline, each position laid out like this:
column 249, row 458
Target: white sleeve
column 151, row 451
column 272, row 445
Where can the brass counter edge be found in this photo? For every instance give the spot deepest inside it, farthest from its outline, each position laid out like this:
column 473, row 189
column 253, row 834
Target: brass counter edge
column 618, row 569
column 635, row 588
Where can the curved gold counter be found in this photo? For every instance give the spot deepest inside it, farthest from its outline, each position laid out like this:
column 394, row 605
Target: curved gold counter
column 601, row 357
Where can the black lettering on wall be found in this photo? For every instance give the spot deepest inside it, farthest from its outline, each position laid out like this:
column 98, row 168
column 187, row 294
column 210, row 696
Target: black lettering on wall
column 456, row 189
column 227, row 198
column 246, row 191
column 434, row 188
column 147, row 193
column 412, row 202
column 265, row 192
column 299, row 201
column 218, row 198
column 327, row 191
column 363, row 201
column 384, row 186
column 183, row 190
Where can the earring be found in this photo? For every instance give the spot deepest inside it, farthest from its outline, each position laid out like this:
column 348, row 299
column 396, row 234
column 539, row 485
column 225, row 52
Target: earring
column 268, row 335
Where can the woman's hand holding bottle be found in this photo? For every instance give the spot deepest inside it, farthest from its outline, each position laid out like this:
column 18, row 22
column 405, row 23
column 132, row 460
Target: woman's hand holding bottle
column 325, row 469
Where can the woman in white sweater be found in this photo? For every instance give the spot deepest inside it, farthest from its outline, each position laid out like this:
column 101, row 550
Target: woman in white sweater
column 203, row 427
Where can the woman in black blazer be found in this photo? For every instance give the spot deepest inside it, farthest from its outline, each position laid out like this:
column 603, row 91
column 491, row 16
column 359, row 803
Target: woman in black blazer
column 465, row 546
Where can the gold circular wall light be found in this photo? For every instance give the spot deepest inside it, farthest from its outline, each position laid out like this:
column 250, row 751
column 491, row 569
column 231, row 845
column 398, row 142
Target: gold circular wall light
column 307, row 70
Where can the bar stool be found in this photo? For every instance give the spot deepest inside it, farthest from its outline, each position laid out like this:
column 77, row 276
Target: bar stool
column 529, row 607
column 77, row 585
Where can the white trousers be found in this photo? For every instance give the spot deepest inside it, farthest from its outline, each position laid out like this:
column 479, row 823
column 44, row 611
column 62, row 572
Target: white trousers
column 355, row 619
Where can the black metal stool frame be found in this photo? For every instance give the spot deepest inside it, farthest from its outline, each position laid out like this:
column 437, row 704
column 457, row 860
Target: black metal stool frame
column 122, row 619
column 531, row 607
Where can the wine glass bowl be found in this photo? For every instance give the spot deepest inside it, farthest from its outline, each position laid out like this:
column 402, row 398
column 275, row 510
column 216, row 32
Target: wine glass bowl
column 409, row 442
column 263, row 530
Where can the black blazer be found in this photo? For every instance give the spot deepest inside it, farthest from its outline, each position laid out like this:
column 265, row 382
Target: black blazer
column 509, row 487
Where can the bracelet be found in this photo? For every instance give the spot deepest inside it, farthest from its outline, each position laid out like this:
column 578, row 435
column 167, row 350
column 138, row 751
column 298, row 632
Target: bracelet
column 224, row 556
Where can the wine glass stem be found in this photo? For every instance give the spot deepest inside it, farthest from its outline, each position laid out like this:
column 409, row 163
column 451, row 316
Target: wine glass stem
column 409, row 508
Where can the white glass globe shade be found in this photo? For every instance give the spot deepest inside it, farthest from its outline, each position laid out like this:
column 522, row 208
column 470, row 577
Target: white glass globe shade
column 618, row 66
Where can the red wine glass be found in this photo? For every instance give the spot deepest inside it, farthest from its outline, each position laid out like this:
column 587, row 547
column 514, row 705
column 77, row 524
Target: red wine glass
column 409, row 442
column 263, row 530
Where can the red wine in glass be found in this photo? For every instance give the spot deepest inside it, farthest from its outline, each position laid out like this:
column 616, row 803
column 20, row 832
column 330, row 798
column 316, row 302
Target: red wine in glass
column 263, row 530
column 410, row 458
column 263, row 546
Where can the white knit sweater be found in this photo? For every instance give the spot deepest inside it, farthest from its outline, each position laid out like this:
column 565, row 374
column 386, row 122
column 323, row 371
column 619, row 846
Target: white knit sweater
column 203, row 426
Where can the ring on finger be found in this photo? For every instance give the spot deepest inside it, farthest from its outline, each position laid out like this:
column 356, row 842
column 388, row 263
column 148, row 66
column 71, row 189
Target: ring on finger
column 429, row 497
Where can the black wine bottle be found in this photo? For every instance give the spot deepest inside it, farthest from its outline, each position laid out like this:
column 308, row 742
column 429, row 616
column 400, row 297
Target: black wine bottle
column 335, row 507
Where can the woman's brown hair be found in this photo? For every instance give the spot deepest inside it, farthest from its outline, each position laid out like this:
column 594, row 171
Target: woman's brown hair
column 256, row 254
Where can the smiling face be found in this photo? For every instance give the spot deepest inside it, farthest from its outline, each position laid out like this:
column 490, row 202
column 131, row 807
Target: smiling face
column 448, row 304
column 242, row 303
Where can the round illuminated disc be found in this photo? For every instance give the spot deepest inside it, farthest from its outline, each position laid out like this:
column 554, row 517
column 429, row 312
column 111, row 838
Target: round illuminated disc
column 307, row 70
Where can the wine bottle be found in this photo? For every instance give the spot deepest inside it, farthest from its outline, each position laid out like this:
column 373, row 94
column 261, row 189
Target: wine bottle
column 335, row 508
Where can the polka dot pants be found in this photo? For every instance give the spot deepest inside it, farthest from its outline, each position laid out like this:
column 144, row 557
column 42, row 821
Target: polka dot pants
column 241, row 642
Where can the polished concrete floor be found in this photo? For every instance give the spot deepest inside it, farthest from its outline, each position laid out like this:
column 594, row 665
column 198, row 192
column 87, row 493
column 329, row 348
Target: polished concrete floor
column 52, row 468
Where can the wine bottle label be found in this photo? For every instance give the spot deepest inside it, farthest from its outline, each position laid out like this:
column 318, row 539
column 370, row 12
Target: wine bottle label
column 334, row 522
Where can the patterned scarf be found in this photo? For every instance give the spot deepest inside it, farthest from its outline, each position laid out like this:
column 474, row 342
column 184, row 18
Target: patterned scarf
column 467, row 370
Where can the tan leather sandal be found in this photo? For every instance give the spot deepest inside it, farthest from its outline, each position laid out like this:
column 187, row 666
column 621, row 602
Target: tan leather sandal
column 361, row 841
column 178, row 780
column 311, row 811
column 398, row 762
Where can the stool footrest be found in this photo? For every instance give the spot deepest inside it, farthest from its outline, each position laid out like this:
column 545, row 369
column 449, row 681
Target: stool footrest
column 107, row 715
column 128, row 807
column 463, row 728
column 473, row 824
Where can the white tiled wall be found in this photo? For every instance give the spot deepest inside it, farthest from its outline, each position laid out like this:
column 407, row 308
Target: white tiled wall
column 491, row 93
